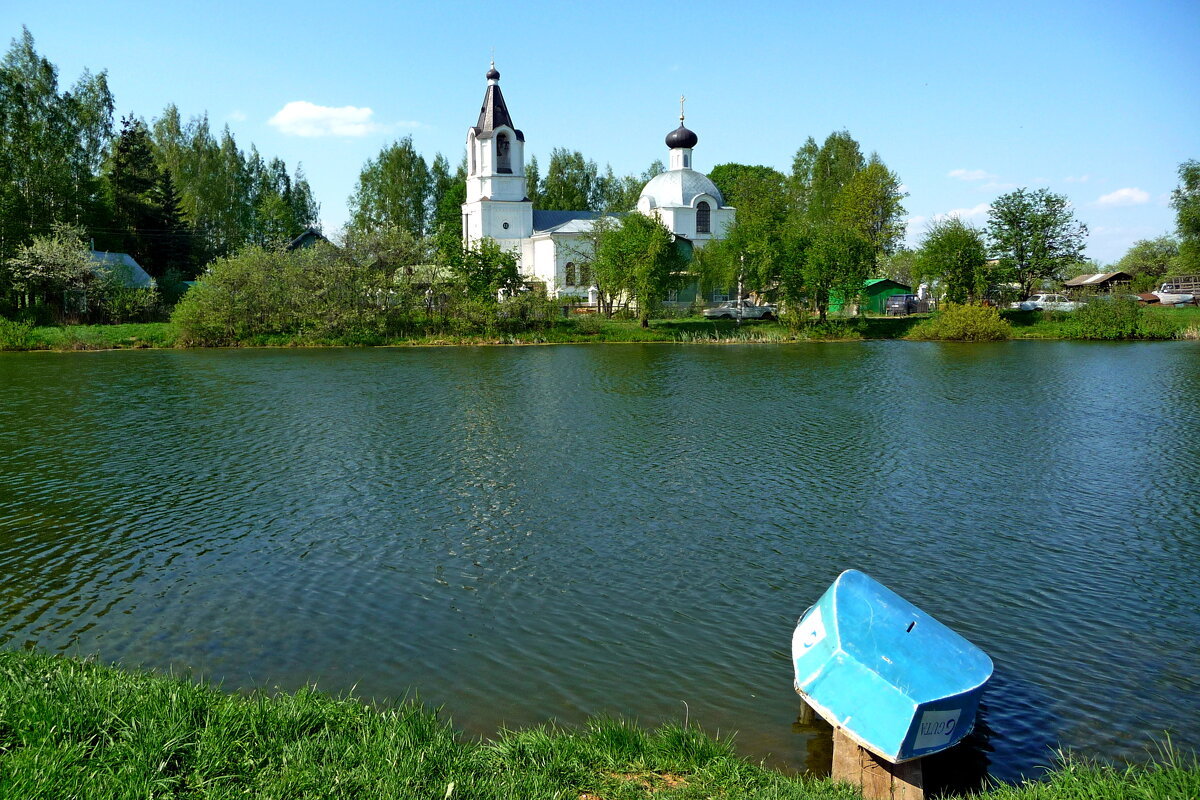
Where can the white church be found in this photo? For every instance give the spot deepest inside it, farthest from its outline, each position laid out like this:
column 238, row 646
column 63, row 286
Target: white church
column 548, row 243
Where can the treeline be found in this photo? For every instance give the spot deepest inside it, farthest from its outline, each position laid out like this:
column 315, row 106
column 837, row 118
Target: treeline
column 812, row 235
column 399, row 189
column 171, row 193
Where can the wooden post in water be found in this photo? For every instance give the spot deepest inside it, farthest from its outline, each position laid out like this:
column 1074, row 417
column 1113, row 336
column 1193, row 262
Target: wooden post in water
column 878, row 779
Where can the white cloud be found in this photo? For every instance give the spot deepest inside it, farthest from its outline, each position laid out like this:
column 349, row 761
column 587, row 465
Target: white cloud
column 973, row 212
column 1130, row 196
column 236, row 116
column 302, row 118
column 969, row 174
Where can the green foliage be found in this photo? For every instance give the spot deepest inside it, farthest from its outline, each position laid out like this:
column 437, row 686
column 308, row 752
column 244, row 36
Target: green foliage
column 953, row 252
column 393, row 190
column 1118, row 317
column 1147, row 260
column 314, row 293
column 1185, row 199
column 639, row 257
column 219, row 196
column 41, row 272
column 836, row 262
column 870, row 203
column 52, row 144
column 16, row 335
column 485, row 269
column 963, row 323
column 761, row 240
column 1035, row 236
column 571, row 182
column 819, row 177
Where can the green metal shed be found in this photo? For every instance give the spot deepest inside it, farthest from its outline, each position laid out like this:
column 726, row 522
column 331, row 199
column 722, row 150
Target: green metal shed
column 875, row 293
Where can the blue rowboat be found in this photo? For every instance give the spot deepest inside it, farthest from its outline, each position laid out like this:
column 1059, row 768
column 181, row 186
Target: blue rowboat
column 894, row 679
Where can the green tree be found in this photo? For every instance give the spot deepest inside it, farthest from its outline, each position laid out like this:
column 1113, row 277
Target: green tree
column 901, row 266
column 639, row 257
column 485, row 268
column 1149, row 259
column 52, row 145
column 832, row 168
column 870, row 203
column 760, row 242
column 533, row 182
column 131, row 177
column 571, row 183
column 836, row 262
column 1035, row 236
column 1186, row 202
column 393, row 190
column 954, row 253
column 52, row 265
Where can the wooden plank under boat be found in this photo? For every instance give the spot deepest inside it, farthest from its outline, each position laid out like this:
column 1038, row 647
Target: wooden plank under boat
column 891, row 677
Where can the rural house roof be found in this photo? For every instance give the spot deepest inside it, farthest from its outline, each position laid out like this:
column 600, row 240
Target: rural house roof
column 131, row 273
column 1097, row 279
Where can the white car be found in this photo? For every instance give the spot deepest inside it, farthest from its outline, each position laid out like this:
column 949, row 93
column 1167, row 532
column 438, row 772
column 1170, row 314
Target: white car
column 1048, row 302
column 743, row 309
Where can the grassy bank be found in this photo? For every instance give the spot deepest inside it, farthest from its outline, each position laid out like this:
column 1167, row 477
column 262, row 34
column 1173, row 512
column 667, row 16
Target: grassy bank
column 1166, row 323
column 72, row 728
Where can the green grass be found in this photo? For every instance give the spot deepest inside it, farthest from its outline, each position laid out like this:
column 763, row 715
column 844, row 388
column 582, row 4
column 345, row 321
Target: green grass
column 73, row 728
column 1163, row 323
column 1166, row 323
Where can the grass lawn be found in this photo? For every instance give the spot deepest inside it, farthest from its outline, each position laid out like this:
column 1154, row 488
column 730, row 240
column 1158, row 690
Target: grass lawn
column 75, row 728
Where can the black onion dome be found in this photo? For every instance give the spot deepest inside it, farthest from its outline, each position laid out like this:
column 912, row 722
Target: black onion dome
column 681, row 137
column 493, row 74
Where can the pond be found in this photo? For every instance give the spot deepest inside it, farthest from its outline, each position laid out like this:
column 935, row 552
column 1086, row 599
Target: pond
column 526, row 534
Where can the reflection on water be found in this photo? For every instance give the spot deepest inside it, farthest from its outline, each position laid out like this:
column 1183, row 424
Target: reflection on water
column 531, row 533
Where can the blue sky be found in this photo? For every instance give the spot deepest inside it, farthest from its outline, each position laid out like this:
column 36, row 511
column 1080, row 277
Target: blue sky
column 964, row 101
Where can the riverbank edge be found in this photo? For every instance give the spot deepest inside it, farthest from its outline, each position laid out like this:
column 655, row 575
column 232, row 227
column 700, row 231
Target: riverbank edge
column 75, row 727
column 166, row 336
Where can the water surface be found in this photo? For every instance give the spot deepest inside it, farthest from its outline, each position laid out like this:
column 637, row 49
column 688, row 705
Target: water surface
column 524, row 534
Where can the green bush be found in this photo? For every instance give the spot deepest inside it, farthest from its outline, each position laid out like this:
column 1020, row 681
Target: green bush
column 963, row 323
column 1106, row 317
column 15, row 335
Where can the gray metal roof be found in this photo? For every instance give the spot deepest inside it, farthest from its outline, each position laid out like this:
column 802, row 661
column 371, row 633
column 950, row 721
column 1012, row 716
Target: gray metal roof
column 552, row 221
column 1097, row 278
column 679, row 188
column 133, row 276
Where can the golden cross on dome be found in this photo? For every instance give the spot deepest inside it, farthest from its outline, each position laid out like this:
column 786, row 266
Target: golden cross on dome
column 681, row 99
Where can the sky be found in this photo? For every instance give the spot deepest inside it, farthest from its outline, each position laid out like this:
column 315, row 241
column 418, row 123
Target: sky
column 964, row 101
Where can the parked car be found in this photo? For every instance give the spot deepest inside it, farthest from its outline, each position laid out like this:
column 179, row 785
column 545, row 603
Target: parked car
column 741, row 309
column 1048, row 302
column 902, row 304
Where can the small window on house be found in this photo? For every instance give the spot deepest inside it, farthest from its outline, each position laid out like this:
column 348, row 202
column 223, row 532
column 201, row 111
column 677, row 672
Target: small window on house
column 569, row 280
column 503, row 156
column 673, row 296
column 585, row 275
column 703, row 218
column 720, row 295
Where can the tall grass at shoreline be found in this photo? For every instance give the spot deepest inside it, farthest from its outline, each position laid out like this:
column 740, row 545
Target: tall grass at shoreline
column 75, row 728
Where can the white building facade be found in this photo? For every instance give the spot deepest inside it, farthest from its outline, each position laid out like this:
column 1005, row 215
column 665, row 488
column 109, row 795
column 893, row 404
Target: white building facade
column 552, row 246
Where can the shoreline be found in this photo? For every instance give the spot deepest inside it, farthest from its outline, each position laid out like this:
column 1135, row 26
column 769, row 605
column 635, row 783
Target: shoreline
column 75, row 727
column 1026, row 326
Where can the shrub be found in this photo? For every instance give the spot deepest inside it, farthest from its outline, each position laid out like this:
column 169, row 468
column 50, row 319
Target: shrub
column 15, row 335
column 963, row 323
column 1106, row 317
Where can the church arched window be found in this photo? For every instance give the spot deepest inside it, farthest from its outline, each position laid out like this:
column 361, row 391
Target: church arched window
column 471, row 150
column 503, row 154
column 569, row 279
column 703, row 218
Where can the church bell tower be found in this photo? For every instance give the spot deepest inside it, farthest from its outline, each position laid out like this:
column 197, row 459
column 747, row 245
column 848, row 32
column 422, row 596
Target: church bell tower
column 497, row 205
